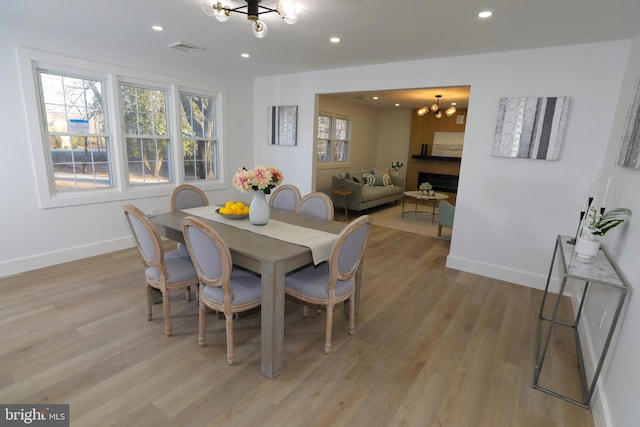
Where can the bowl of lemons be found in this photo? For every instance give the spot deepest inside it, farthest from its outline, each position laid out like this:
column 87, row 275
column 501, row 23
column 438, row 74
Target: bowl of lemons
column 234, row 210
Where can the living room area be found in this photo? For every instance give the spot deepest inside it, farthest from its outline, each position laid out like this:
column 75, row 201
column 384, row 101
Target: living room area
column 392, row 127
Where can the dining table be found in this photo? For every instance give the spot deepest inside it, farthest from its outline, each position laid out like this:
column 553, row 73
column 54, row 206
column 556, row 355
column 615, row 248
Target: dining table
column 268, row 256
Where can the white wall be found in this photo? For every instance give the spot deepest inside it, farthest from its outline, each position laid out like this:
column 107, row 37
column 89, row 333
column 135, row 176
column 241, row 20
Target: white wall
column 509, row 211
column 394, row 134
column 34, row 237
column 621, row 376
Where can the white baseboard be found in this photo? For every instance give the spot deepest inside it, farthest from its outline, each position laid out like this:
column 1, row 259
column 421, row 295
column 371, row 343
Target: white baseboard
column 523, row 278
column 21, row 265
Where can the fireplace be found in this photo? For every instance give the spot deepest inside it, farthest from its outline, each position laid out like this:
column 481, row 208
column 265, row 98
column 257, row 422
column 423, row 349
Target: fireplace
column 440, row 182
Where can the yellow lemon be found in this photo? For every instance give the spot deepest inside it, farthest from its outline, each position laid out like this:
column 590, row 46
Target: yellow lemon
column 245, row 210
column 225, row 211
column 229, row 204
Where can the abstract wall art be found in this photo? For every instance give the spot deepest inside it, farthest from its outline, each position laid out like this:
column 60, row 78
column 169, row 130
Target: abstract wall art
column 531, row 128
column 630, row 150
column 283, row 125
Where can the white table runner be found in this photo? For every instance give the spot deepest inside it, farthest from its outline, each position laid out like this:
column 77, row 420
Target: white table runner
column 320, row 242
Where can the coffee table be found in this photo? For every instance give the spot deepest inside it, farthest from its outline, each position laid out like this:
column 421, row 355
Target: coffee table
column 417, row 195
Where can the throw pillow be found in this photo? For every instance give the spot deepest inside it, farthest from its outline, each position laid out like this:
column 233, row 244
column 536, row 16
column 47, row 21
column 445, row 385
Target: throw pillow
column 387, row 180
column 356, row 180
column 379, row 180
column 347, row 175
column 368, row 179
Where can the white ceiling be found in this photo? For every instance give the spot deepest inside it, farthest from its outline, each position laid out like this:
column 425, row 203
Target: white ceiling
column 372, row 31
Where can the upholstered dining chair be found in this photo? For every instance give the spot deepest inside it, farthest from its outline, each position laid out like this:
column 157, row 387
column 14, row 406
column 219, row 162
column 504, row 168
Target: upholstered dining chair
column 164, row 272
column 334, row 281
column 222, row 287
column 446, row 211
column 187, row 196
column 316, row 204
column 285, row 197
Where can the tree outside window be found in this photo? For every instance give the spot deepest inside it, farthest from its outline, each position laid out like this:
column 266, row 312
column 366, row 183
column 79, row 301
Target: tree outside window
column 199, row 137
column 146, row 133
column 79, row 144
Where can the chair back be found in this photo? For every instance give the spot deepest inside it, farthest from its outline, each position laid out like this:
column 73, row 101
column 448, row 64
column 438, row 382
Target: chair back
column 209, row 253
column 187, row 196
column 348, row 250
column 285, row 197
column 147, row 237
column 316, row 204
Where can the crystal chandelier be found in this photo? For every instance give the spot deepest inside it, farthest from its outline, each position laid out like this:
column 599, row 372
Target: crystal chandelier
column 253, row 9
column 435, row 109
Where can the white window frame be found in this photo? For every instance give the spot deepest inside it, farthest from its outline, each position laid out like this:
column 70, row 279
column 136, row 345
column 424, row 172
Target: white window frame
column 30, row 60
column 332, row 141
column 216, row 137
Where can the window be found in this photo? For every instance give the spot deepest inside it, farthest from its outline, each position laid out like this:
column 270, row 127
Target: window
column 332, row 141
column 146, row 132
column 103, row 133
column 78, row 142
column 199, row 137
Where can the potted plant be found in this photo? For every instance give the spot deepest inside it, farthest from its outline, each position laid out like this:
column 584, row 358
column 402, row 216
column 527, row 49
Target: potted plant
column 426, row 188
column 587, row 245
column 396, row 165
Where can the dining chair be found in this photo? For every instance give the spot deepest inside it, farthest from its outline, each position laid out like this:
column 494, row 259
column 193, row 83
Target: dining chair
column 333, row 281
column 285, row 197
column 187, row 196
column 162, row 271
column 223, row 288
column 316, row 204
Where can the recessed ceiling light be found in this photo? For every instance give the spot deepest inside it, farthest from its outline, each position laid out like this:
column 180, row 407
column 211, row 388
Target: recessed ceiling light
column 375, row 97
column 485, row 14
column 157, row 27
column 334, row 39
column 245, row 55
column 454, row 103
column 397, row 105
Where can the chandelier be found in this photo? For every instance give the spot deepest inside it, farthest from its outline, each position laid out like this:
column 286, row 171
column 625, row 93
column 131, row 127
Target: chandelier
column 253, row 9
column 435, row 109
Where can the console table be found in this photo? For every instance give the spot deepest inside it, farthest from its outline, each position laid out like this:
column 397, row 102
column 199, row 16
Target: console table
column 601, row 271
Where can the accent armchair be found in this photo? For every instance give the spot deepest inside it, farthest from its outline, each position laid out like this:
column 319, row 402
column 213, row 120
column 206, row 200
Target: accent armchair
column 446, row 212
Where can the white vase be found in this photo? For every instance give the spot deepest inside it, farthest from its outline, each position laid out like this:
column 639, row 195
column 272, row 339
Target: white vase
column 587, row 246
column 259, row 209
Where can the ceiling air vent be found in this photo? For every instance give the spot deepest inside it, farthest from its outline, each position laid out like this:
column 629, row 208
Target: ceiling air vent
column 185, row 47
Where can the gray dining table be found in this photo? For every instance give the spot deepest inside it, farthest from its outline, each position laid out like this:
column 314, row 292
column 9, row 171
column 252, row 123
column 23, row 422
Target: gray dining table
column 269, row 257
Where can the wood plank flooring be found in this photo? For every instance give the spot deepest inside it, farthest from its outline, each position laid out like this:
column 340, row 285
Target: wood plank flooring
column 432, row 347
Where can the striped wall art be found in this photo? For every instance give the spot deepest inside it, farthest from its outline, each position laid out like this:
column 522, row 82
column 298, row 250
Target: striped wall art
column 630, row 150
column 531, row 128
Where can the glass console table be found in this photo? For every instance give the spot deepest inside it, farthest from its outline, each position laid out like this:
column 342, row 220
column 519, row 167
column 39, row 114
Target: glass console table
column 551, row 342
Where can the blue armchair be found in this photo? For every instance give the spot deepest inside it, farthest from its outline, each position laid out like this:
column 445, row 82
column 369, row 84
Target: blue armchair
column 446, row 212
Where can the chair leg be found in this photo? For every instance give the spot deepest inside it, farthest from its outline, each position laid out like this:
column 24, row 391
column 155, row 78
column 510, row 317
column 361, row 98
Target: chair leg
column 439, row 230
column 229, row 325
column 188, row 293
column 202, row 323
column 329, row 328
column 166, row 308
column 148, row 312
column 352, row 314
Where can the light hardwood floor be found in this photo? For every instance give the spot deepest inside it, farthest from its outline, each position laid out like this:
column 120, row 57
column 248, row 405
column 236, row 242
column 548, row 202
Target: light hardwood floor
column 432, row 347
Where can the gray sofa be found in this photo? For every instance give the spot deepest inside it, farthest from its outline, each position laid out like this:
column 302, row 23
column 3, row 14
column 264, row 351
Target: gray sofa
column 364, row 196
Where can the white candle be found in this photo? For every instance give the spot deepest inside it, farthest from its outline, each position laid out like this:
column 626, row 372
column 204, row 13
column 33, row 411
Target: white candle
column 606, row 193
column 594, row 186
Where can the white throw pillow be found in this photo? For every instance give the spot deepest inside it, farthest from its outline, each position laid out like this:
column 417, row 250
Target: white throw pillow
column 387, row 180
column 369, row 179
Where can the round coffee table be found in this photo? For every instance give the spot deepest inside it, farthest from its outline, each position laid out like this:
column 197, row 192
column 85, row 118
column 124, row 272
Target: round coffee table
column 418, row 195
